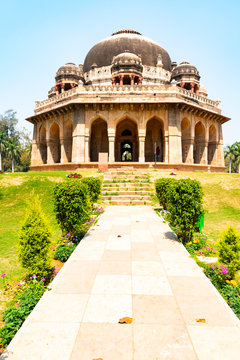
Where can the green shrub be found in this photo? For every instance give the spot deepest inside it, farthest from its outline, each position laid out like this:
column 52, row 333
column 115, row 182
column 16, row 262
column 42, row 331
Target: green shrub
column 34, row 240
column 94, row 185
column 229, row 250
column 162, row 186
column 185, row 206
column 72, row 205
column 232, row 295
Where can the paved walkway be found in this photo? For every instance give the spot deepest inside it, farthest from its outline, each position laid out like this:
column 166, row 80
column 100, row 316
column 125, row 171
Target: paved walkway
column 129, row 264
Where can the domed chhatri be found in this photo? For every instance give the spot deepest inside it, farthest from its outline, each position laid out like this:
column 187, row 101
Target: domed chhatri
column 128, row 93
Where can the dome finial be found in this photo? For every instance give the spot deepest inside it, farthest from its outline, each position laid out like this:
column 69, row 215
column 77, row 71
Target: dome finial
column 126, row 31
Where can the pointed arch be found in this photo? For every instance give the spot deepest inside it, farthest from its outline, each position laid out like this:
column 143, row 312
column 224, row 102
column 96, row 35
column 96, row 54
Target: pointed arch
column 199, row 142
column 212, row 145
column 126, row 140
column 55, row 142
column 154, row 141
column 186, row 140
column 43, row 144
column 98, row 138
column 67, row 139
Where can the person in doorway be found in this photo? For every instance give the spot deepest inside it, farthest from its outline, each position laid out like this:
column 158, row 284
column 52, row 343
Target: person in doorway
column 157, row 153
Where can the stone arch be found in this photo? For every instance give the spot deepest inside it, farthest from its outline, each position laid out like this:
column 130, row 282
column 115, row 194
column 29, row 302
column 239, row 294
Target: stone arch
column 98, row 139
column 186, row 140
column 126, row 140
column 67, row 139
column 43, row 144
column 54, row 141
column 199, row 142
column 154, row 139
column 212, row 145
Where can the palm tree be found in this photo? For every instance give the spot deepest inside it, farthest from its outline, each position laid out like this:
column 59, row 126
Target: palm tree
column 13, row 149
column 237, row 154
column 3, row 143
column 230, row 154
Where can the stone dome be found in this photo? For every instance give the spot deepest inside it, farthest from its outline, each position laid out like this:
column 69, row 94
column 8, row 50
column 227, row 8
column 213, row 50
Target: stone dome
column 103, row 52
column 69, row 71
column 126, row 58
column 185, row 68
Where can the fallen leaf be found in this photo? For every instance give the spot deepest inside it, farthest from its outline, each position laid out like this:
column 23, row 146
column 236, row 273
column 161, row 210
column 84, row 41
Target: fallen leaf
column 125, row 320
column 201, row 320
column 137, row 221
column 98, row 359
column 119, row 236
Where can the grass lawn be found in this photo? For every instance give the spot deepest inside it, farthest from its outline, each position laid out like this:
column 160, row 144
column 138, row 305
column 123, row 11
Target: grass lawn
column 16, row 189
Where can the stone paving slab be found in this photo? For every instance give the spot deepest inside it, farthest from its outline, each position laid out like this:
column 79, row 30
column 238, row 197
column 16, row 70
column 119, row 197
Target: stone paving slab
column 129, row 264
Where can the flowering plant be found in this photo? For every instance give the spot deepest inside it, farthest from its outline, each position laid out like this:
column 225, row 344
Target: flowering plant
column 74, row 175
column 207, row 251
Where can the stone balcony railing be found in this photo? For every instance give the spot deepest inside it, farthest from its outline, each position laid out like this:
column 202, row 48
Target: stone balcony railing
column 158, row 91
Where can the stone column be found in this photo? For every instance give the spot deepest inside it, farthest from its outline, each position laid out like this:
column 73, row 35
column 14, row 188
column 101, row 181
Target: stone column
column 78, row 141
column 192, row 85
column 220, row 152
column 132, row 79
column 190, row 152
column 63, row 159
column 141, row 157
column 174, row 135
column 35, row 156
column 49, row 152
column 111, row 141
column 166, row 147
column 121, row 79
column 86, row 155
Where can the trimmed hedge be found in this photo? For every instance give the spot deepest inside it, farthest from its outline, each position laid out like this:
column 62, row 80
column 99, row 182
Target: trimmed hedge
column 72, row 205
column 94, row 185
column 185, row 207
column 162, row 186
column 35, row 240
column 229, row 250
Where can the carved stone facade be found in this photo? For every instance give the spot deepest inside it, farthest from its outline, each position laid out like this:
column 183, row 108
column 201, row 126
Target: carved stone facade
column 127, row 109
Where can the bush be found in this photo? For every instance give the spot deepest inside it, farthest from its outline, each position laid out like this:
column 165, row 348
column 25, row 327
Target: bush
column 72, row 205
column 229, row 250
column 34, row 241
column 162, row 186
column 94, row 185
column 185, row 206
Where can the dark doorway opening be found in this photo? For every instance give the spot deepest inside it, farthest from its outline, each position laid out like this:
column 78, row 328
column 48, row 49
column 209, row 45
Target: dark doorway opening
column 126, row 151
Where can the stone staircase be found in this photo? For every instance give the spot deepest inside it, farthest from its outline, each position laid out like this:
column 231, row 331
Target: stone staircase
column 126, row 187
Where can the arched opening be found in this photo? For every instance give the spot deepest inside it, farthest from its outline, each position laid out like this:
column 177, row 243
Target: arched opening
column 99, row 139
column 199, row 143
column 212, row 145
column 43, row 144
column 55, row 142
column 67, row 139
column 126, row 141
column 186, row 140
column 154, row 140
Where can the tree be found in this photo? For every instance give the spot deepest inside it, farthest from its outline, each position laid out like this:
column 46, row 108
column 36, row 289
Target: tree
column 3, row 143
column 13, row 150
column 229, row 153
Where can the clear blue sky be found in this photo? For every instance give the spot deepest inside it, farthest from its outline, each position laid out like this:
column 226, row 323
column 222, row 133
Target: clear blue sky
column 37, row 37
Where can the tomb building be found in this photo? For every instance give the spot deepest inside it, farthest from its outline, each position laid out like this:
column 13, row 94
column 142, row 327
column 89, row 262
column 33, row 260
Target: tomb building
column 127, row 100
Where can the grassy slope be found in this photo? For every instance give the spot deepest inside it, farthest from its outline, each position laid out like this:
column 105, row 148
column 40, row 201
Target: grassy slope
column 221, row 199
column 17, row 188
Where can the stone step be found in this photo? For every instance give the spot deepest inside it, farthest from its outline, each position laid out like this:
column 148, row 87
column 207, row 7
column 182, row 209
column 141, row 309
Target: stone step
column 125, row 188
column 127, row 202
column 124, row 180
column 125, row 197
column 120, row 193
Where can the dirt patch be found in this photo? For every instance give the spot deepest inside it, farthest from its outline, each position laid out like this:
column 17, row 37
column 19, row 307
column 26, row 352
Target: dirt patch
column 55, row 179
column 12, row 181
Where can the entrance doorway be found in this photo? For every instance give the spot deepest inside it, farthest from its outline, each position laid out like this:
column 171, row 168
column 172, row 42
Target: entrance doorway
column 126, row 141
column 126, row 151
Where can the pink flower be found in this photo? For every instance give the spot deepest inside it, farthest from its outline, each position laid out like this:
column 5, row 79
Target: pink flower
column 34, row 276
column 2, row 276
column 214, row 267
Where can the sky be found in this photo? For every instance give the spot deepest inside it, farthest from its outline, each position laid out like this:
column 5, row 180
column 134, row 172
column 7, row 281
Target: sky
column 39, row 36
